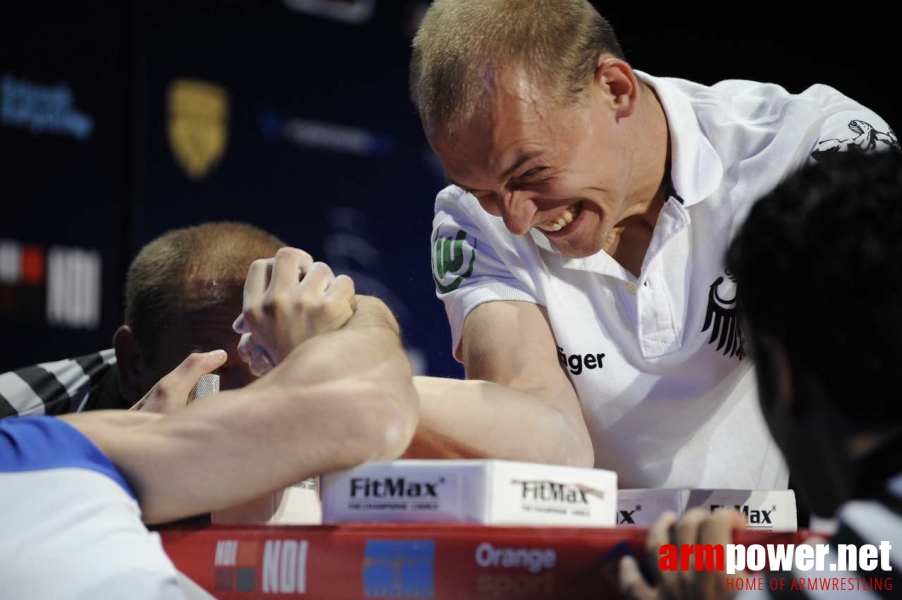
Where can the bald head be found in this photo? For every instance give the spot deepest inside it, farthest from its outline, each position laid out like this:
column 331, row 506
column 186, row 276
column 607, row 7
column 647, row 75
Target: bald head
column 464, row 47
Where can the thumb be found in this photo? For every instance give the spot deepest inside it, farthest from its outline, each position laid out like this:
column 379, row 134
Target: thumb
column 178, row 383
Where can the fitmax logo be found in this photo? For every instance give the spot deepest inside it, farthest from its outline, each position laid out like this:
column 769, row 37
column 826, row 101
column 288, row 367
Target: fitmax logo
column 393, row 488
column 626, row 516
column 752, row 516
column 549, row 491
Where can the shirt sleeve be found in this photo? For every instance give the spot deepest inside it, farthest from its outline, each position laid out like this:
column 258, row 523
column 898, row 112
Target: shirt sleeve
column 52, row 388
column 40, row 443
column 471, row 263
column 852, row 127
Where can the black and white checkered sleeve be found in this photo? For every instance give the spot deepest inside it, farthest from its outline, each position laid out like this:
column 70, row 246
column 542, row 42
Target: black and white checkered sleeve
column 52, row 388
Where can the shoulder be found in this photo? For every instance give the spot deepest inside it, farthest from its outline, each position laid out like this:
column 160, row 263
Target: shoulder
column 38, row 444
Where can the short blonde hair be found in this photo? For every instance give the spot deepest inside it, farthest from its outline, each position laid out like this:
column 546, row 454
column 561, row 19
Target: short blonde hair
column 463, row 45
column 189, row 271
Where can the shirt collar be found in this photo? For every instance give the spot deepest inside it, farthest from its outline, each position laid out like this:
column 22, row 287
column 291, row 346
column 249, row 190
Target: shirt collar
column 695, row 168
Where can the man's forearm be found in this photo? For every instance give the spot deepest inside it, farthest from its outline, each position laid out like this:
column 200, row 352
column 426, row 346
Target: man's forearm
column 337, row 400
column 481, row 419
column 368, row 345
column 372, row 312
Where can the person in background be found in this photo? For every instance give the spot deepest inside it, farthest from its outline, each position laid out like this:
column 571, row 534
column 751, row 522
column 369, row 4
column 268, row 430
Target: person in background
column 91, row 478
column 182, row 292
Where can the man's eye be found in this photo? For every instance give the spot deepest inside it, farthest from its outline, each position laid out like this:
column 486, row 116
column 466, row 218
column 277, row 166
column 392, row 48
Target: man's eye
column 532, row 172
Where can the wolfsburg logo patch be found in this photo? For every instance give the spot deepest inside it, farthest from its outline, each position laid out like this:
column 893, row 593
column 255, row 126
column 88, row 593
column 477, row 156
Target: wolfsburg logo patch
column 449, row 255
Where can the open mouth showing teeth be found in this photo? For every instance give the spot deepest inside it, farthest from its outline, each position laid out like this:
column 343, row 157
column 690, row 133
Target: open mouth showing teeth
column 564, row 219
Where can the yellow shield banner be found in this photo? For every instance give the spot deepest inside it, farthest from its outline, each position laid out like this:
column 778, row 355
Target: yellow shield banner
column 198, row 125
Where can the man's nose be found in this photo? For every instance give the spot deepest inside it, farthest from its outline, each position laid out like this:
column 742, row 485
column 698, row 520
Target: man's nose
column 518, row 211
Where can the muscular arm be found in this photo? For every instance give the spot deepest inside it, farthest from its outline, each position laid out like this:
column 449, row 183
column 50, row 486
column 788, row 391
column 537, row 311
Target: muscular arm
column 338, row 399
column 517, row 403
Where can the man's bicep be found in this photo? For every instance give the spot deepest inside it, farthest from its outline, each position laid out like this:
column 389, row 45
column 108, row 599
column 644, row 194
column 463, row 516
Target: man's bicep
column 511, row 343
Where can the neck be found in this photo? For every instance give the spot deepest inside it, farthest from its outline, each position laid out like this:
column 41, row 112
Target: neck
column 629, row 239
column 651, row 155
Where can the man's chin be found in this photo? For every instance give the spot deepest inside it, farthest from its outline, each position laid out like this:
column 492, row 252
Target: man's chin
column 575, row 250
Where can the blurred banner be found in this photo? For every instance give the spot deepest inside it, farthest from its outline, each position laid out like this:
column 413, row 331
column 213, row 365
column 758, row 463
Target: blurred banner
column 294, row 116
column 65, row 72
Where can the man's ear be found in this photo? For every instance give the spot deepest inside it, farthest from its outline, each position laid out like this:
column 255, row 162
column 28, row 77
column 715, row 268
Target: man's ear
column 619, row 85
column 130, row 363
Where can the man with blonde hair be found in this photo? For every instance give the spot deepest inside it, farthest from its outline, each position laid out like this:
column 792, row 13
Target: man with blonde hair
column 579, row 246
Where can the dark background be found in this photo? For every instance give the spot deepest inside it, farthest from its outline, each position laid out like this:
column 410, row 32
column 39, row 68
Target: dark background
column 324, row 148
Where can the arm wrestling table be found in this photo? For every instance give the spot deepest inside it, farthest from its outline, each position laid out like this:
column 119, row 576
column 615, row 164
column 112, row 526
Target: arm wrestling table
column 459, row 562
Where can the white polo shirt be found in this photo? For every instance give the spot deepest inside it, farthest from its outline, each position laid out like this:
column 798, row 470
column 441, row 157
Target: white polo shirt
column 658, row 362
column 70, row 526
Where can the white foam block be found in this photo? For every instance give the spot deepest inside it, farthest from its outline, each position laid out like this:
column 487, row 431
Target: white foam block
column 492, row 492
column 297, row 505
column 766, row 510
column 643, row 507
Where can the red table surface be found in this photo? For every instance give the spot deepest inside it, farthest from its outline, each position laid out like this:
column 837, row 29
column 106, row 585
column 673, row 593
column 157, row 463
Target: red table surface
column 409, row 560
